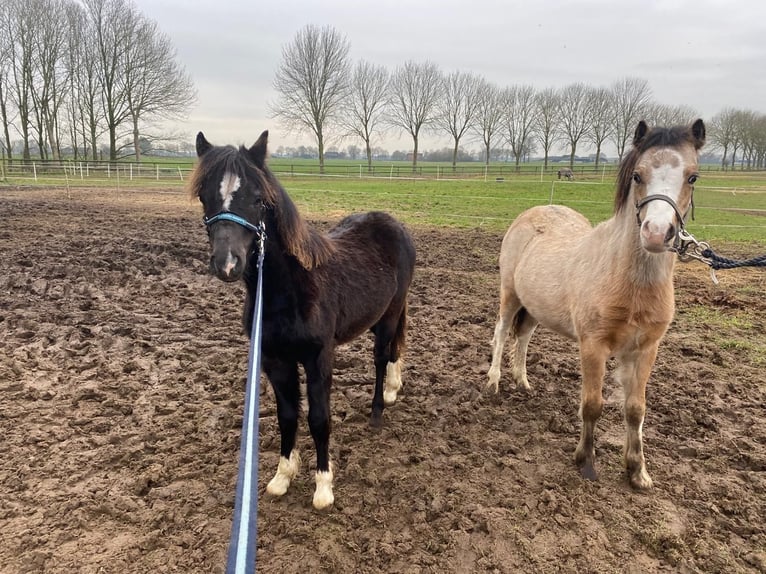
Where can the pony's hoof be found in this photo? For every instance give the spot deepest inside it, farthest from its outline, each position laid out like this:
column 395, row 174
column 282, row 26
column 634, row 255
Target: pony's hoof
column 376, row 420
column 286, row 472
column 588, row 472
column 323, row 495
column 641, row 480
column 389, row 397
column 493, row 384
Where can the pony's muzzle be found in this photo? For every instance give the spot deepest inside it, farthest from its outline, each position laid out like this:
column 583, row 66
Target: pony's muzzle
column 228, row 267
column 657, row 237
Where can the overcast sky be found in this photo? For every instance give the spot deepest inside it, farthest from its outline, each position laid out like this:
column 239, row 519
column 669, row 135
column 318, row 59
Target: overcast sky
column 707, row 54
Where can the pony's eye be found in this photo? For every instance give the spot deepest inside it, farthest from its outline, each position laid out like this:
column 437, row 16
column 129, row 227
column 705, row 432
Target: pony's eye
column 636, row 178
column 692, row 179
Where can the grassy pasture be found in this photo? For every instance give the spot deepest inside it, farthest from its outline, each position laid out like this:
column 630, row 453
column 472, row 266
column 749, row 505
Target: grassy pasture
column 721, row 214
column 730, row 206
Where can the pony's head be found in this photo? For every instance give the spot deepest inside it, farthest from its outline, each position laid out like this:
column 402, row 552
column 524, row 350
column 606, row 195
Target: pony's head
column 657, row 178
column 234, row 188
column 237, row 190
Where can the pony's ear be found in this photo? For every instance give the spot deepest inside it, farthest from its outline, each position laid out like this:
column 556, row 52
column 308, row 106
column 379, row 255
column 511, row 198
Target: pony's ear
column 641, row 130
column 698, row 131
column 202, row 144
column 258, row 151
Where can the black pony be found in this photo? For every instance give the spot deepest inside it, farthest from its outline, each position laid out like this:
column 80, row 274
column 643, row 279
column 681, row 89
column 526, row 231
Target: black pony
column 319, row 290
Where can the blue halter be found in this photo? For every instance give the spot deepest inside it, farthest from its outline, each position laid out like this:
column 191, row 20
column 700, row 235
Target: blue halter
column 228, row 216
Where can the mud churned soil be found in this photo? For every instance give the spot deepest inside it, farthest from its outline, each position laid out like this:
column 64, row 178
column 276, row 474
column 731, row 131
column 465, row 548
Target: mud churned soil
column 122, row 372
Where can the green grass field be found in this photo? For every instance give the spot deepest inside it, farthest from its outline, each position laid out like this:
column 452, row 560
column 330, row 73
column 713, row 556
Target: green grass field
column 726, row 214
column 730, row 206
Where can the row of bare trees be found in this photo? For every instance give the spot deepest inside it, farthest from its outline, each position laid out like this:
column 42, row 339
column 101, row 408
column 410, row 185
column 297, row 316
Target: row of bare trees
column 74, row 72
column 740, row 132
column 323, row 93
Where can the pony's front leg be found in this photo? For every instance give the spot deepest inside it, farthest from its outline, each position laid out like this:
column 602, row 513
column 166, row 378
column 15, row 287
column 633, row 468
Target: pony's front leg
column 633, row 372
column 283, row 376
column 593, row 355
column 318, row 382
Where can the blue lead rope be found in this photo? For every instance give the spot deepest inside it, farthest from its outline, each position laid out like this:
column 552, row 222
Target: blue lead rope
column 244, row 530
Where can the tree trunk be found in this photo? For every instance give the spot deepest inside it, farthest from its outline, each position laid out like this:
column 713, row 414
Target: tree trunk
column 6, row 133
column 415, row 154
column 368, row 149
column 135, row 140
column 598, row 153
column 320, row 145
column 571, row 158
column 454, row 156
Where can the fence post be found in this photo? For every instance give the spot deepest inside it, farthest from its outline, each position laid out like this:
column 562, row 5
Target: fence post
column 157, row 167
column 34, row 170
column 553, row 183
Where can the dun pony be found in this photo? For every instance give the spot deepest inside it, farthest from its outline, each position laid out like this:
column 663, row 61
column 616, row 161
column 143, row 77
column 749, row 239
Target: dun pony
column 610, row 287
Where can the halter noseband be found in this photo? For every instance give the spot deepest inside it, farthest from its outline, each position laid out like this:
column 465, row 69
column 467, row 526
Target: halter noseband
column 681, row 217
column 229, row 216
column 666, row 199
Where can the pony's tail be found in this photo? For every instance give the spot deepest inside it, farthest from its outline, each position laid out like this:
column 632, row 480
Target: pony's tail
column 398, row 343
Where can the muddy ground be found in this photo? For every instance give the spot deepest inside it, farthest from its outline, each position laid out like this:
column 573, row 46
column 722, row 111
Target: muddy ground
column 122, row 370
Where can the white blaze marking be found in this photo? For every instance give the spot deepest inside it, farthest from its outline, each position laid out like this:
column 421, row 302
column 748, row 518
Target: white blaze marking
column 668, row 181
column 231, row 262
column 229, row 184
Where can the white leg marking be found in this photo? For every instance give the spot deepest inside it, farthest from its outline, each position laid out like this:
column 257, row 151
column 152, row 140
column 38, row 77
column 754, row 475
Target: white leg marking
column 393, row 382
column 229, row 184
column 323, row 496
column 286, row 472
column 230, row 263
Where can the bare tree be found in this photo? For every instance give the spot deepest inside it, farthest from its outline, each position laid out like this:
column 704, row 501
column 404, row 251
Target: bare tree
column 489, row 115
column 5, row 75
column 48, row 71
column 722, row 129
column 458, row 106
column 365, row 107
column 629, row 98
column 546, row 120
column 313, row 82
column 574, row 114
column 416, row 89
column 114, row 24
column 518, row 118
column 155, row 85
column 657, row 114
column 19, row 26
column 601, row 118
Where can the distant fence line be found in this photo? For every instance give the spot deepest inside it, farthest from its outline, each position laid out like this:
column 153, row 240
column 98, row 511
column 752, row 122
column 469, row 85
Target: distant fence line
column 69, row 172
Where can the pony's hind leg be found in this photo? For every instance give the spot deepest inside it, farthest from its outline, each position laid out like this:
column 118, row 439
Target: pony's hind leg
column 385, row 331
column 509, row 307
column 393, row 378
column 633, row 373
column 523, row 328
column 593, row 356
column 284, row 380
